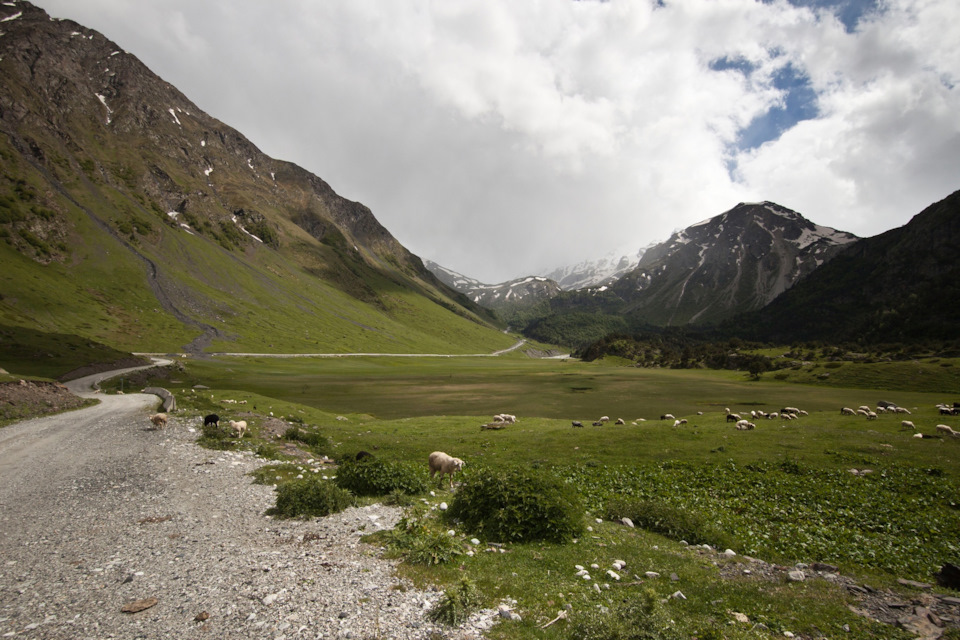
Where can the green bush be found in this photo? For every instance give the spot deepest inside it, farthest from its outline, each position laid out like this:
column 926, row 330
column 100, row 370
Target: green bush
column 643, row 618
column 668, row 521
column 457, row 604
column 518, row 505
column 375, row 477
column 310, row 497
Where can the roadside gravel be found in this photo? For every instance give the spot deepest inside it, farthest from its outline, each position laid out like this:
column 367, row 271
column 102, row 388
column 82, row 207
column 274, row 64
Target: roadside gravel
column 97, row 511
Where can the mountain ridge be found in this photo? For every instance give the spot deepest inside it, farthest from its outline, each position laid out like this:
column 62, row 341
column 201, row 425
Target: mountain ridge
column 103, row 157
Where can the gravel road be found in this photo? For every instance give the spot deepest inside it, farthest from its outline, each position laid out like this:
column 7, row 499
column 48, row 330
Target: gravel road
column 97, row 511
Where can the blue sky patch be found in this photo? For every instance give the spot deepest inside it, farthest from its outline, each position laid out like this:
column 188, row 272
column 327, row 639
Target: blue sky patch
column 848, row 12
column 800, row 103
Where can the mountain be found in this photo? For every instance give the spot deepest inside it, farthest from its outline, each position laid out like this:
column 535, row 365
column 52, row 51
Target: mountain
column 504, row 297
column 737, row 261
column 596, row 273
column 899, row 286
column 131, row 217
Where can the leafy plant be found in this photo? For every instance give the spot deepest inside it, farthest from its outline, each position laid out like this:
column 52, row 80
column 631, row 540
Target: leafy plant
column 375, row 477
column 310, row 497
column 667, row 520
column 317, row 442
column 457, row 603
column 518, row 505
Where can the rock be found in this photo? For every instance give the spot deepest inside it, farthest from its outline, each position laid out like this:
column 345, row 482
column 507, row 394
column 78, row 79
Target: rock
column 678, row 595
column 506, row 612
column 823, row 566
column 729, row 553
column 613, row 574
column 139, row 605
column 914, row 584
column 202, row 616
column 796, row 576
column 270, row 599
column 627, row 521
column 740, row 617
column 674, row 577
column 652, row 574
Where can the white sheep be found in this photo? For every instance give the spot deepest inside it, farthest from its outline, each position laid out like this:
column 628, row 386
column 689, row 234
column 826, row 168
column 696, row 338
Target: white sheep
column 906, row 424
column 159, row 420
column 604, row 418
column 871, row 415
column 947, row 430
column 667, row 416
column 239, row 427
column 446, row 465
column 847, row 411
column 733, row 417
column 903, row 410
column 745, row 425
column 620, row 421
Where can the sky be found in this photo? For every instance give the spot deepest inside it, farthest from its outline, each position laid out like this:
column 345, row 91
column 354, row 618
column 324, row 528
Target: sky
column 501, row 138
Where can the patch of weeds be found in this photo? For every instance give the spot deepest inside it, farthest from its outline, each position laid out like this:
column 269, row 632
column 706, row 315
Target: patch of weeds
column 310, row 497
column 418, row 539
column 268, row 451
column 642, row 618
column 375, row 477
column 457, row 604
column 318, row 443
column 668, row 521
column 275, row 473
column 518, row 505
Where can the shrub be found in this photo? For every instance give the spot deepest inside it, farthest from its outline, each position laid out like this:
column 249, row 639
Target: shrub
column 643, row 618
column 457, row 604
column 214, row 437
column 518, row 505
column 310, row 497
column 668, row 521
column 375, row 477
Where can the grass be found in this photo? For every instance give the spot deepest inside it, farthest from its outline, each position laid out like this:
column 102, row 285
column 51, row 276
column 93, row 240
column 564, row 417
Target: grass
column 783, row 492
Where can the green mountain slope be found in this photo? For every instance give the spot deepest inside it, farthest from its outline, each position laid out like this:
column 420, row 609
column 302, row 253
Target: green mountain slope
column 129, row 216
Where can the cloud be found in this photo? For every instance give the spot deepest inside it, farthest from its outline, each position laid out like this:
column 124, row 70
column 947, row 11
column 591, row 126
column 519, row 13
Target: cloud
column 502, row 138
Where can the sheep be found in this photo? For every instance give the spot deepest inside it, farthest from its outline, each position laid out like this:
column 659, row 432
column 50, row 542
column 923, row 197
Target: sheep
column 577, row 423
column 745, row 425
column 863, row 412
column 792, row 410
column 620, row 421
column 863, row 407
column 871, row 415
column 803, row 413
column 947, row 430
column 906, row 424
column 598, row 423
column 505, row 417
column 676, row 423
column 604, row 418
column 213, row 419
column 159, row 420
column 667, row 416
column 946, row 411
column 903, row 410
column 439, row 461
column 847, row 411
column 239, row 428
column 733, row 417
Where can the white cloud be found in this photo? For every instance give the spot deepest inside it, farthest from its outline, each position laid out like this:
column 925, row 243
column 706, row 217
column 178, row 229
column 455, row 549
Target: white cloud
column 496, row 137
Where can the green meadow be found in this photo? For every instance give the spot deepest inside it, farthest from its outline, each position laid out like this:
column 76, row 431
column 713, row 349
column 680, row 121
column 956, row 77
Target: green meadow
column 783, row 492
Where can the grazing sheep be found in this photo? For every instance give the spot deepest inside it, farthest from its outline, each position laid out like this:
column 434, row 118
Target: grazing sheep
column 947, row 430
column 604, row 418
column 505, row 417
column 598, row 423
column 239, row 427
column 871, row 415
column 745, row 425
column 667, row 416
column 620, row 421
column 159, row 420
column 803, row 413
column 906, row 424
column 881, row 409
column 773, row 416
column 847, row 411
column 577, row 423
column 863, row 407
column 439, row 461
column 863, row 412
column 918, row 435
column 213, row 419
column 733, row 417
column 903, row 410
column 676, row 423
column 946, row 411
column 792, row 410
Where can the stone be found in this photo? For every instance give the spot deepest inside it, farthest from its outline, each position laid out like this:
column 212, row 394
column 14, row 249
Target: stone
column 823, row 566
column 796, row 576
column 678, row 595
column 200, row 617
column 652, row 574
column 740, row 617
column 627, row 521
column 913, row 583
column 139, row 605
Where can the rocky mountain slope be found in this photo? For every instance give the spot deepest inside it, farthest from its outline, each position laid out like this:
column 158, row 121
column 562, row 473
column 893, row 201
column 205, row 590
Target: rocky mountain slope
column 511, row 295
column 144, row 222
column 899, row 286
column 735, row 262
